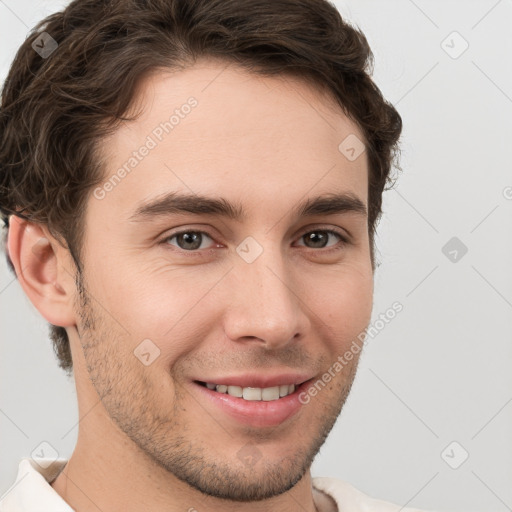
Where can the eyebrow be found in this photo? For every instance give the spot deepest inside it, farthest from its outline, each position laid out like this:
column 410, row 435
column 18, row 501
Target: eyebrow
column 179, row 203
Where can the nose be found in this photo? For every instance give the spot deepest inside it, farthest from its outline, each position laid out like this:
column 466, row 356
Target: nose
column 265, row 302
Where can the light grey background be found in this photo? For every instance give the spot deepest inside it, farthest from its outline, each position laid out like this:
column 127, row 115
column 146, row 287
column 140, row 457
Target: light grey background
column 440, row 371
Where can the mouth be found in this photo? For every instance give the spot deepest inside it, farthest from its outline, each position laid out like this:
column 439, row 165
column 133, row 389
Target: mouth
column 252, row 394
column 254, row 401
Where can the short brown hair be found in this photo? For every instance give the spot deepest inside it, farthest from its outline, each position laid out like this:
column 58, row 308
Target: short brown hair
column 55, row 110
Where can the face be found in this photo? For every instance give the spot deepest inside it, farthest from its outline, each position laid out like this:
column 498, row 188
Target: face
column 255, row 284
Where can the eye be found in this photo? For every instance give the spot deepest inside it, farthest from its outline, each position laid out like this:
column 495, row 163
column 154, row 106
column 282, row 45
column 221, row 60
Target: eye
column 188, row 240
column 318, row 238
column 192, row 241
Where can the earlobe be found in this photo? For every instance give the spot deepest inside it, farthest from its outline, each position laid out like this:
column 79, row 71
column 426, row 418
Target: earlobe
column 38, row 260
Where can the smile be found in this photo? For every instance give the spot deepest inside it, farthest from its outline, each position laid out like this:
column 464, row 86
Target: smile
column 252, row 394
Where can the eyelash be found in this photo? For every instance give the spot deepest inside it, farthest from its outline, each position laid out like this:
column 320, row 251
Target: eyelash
column 200, row 252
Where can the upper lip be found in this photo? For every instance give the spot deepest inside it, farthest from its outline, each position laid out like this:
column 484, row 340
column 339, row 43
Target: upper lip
column 259, row 380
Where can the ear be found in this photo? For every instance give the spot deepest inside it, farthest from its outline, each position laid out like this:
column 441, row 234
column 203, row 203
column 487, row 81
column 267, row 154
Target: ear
column 43, row 269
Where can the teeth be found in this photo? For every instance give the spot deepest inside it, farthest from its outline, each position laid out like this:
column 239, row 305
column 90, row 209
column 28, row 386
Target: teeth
column 268, row 394
column 235, row 391
column 254, row 394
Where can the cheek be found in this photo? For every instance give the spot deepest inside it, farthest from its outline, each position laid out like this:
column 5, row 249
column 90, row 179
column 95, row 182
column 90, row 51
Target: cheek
column 345, row 305
column 171, row 308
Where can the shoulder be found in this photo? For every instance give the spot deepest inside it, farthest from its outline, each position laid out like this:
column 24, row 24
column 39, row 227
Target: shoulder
column 347, row 497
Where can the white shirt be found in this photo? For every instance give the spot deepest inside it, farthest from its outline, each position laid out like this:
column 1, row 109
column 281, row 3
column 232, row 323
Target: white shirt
column 32, row 492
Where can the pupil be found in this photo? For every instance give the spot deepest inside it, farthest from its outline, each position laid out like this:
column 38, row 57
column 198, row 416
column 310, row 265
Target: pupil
column 193, row 239
column 314, row 235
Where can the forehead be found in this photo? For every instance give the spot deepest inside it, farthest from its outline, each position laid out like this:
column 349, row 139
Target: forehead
column 215, row 128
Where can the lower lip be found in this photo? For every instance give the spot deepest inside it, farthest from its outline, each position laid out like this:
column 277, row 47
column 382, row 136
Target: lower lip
column 255, row 413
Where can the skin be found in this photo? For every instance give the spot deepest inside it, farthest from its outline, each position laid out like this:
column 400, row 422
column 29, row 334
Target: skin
column 147, row 440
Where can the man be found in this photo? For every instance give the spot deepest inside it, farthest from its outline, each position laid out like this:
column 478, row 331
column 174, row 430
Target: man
column 191, row 190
